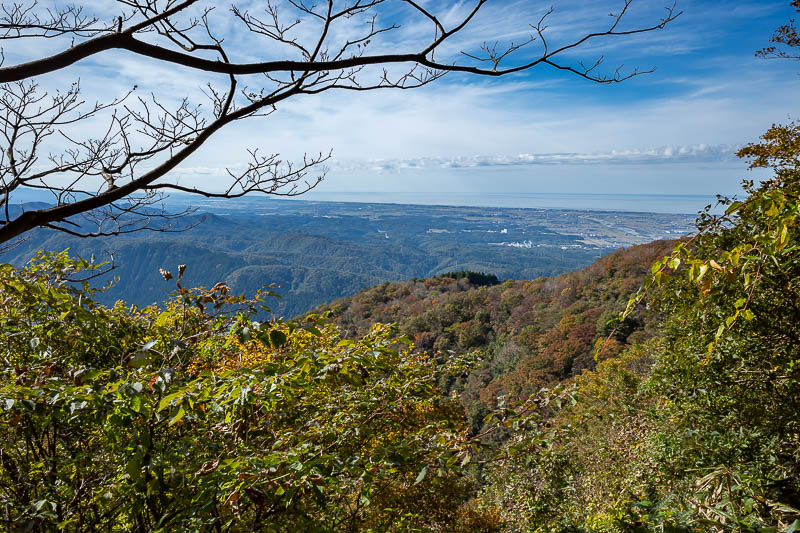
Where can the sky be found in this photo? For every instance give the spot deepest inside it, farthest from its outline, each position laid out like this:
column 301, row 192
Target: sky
column 672, row 131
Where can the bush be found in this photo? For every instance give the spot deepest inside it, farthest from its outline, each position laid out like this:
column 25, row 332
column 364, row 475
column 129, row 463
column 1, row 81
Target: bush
column 191, row 417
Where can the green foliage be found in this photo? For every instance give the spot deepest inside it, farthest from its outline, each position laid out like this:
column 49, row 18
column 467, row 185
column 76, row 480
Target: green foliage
column 582, row 462
column 696, row 430
column 737, row 401
column 194, row 417
column 191, row 417
column 475, row 278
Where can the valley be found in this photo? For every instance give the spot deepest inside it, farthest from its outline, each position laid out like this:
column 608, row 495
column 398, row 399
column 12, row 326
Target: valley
column 315, row 252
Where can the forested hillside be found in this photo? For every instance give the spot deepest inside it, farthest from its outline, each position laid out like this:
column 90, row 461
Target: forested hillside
column 315, row 253
column 655, row 391
column 696, row 429
column 532, row 333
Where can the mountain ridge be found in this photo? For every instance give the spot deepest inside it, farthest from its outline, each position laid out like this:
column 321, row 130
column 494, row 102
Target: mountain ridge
column 533, row 333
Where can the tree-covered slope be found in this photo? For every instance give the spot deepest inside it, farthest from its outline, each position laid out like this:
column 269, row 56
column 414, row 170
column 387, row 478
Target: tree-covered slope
column 193, row 416
column 533, row 333
column 313, row 254
column 695, row 430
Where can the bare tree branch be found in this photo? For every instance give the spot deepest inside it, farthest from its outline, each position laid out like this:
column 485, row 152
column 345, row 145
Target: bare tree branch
column 110, row 178
column 786, row 39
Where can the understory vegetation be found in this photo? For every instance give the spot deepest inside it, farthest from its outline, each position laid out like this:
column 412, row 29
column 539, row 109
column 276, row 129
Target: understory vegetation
column 572, row 403
column 697, row 429
column 657, row 390
column 182, row 419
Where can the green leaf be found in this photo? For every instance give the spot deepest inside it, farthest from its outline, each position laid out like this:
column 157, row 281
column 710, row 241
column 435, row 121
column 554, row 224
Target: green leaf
column 772, row 210
column 178, row 416
column 136, row 403
column 41, row 503
column 163, row 319
column 139, row 359
column 656, row 267
column 277, row 338
column 365, row 499
column 735, row 206
column 165, row 401
column 421, row 475
column 134, row 468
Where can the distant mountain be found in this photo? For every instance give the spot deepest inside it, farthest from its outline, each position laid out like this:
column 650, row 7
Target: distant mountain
column 533, row 333
column 317, row 252
column 309, row 269
column 15, row 210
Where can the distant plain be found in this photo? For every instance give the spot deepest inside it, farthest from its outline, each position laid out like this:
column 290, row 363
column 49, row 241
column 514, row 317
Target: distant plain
column 317, row 251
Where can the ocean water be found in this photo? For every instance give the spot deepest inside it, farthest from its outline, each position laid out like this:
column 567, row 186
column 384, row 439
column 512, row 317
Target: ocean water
column 648, row 203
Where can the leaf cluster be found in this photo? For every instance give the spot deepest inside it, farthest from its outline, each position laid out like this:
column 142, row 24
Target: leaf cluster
column 191, row 418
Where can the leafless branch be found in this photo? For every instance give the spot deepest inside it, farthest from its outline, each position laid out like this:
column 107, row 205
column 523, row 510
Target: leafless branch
column 786, row 41
column 20, row 20
column 109, row 178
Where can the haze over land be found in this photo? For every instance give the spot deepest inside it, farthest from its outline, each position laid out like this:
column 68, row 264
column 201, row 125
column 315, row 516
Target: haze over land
column 318, row 251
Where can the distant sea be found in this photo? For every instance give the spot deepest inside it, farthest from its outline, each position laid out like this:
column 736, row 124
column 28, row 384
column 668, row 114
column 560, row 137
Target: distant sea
column 650, row 203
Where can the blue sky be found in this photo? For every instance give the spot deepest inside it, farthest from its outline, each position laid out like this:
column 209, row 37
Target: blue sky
column 670, row 132
column 673, row 131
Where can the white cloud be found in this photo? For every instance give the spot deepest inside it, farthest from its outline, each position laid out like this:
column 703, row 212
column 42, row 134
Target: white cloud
column 699, row 153
column 696, row 109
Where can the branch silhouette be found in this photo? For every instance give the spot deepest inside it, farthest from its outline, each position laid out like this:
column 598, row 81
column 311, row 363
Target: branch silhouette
column 110, row 180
